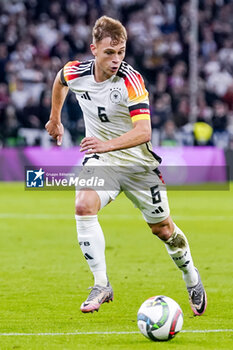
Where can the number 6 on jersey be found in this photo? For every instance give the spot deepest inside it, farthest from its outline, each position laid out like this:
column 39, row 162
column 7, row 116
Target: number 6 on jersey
column 102, row 115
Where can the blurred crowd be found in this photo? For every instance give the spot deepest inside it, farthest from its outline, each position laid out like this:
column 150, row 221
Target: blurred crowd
column 37, row 37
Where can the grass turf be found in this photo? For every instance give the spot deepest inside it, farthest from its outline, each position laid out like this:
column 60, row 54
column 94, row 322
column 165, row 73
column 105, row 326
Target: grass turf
column 43, row 275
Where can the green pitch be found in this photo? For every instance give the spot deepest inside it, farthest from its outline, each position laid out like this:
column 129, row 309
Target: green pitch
column 44, row 277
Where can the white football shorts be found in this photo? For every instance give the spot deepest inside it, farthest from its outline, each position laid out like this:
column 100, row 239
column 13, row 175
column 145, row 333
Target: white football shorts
column 143, row 186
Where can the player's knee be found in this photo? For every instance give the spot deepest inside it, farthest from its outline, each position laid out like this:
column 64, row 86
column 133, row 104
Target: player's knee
column 82, row 208
column 163, row 230
column 87, row 203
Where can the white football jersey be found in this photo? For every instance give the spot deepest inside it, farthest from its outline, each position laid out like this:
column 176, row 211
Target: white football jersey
column 110, row 108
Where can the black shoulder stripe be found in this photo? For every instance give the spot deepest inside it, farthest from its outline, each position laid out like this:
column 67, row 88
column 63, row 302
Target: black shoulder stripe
column 127, row 68
column 85, row 68
column 62, row 78
column 120, row 72
column 86, row 63
column 87, row 72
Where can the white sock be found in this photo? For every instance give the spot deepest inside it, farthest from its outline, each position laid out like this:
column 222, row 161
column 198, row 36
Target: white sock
column 178, row 249
column 92, row 243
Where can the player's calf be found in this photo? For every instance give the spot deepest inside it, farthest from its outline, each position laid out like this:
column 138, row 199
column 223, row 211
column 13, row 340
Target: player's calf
column 178, row 249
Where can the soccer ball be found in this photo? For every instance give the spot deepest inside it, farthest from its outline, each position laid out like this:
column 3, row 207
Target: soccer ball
column 160, row 318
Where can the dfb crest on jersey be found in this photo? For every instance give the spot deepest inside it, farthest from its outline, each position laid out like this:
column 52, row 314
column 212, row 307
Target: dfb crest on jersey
column 115, row 96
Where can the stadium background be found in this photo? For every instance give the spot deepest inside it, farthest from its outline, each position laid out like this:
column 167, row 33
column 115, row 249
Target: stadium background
column 43, row 276
column 38, row 37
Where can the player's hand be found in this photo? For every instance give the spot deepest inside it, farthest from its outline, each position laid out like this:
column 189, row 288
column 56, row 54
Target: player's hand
column 56, row 130
column 93, row 145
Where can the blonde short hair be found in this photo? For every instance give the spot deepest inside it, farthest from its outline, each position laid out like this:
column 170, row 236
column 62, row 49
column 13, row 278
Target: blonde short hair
column 109, row 27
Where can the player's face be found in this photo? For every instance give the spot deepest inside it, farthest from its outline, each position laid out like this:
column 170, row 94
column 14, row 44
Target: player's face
column 108, row 57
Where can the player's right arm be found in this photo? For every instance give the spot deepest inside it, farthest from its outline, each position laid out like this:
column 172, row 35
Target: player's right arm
column 54, row 125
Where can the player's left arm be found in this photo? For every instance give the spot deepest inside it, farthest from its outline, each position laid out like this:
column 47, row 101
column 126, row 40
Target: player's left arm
column 140, row 133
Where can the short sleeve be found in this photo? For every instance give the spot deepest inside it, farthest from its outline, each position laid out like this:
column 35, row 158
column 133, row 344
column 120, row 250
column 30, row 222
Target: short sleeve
column 70, row 72
column 138, row 99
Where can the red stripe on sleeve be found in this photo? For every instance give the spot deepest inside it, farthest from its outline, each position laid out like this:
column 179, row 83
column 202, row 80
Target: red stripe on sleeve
column 139, row 111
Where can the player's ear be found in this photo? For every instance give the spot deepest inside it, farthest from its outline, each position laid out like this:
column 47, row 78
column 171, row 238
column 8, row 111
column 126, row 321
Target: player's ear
column 93, row 49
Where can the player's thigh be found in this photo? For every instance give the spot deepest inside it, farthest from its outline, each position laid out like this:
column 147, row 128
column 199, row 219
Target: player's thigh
column 94, row 197
column 89, row 201
column 153, row 213
column 151, row 196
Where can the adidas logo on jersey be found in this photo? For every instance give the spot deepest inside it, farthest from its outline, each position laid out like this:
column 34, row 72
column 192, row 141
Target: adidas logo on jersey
column 157, row 211
column 86, row 96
